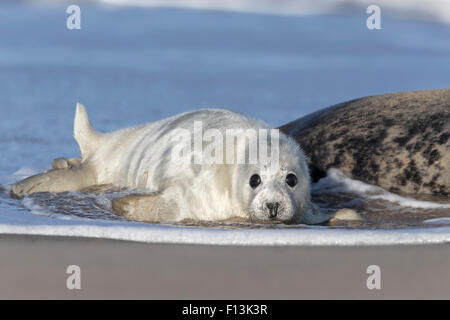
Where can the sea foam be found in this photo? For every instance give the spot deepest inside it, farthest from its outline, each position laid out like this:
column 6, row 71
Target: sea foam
column 28, row 217
column 22, row 222
column 337, row 182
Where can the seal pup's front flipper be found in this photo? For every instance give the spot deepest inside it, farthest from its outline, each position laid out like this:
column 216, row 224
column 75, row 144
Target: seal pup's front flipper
column 145, row 207
column 65, row 163
column 55, row 180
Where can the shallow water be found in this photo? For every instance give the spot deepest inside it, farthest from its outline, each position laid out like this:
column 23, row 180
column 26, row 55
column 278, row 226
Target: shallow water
column 411, row 211
column 89, row 215
column 159, row 62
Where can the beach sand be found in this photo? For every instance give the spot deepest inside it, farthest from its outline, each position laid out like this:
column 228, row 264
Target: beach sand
column 35, row 267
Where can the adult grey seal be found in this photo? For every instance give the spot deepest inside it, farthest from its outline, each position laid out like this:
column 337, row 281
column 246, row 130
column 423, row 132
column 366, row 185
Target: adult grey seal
column 398, row 141
column 142, row 158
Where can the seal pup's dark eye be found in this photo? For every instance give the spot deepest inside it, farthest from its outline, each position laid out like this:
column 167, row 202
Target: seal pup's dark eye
column 255, row 181
column 291, row 180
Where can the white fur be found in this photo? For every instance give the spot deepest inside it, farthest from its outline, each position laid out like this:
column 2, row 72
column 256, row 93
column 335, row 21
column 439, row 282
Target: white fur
column 140, row 158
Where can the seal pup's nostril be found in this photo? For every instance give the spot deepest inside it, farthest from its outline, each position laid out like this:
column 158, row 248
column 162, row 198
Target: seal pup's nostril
column 273, row 209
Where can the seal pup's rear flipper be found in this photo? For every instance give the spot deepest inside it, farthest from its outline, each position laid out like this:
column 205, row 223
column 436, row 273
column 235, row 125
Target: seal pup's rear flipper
column 145, row 207
column 87, row 137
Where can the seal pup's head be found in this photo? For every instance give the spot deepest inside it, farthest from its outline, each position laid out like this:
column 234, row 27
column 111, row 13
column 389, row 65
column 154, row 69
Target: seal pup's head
column 277, row 192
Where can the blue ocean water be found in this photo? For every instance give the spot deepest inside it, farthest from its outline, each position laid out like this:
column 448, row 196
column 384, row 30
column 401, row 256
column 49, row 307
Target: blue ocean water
column 134, row 65
column 129, row 66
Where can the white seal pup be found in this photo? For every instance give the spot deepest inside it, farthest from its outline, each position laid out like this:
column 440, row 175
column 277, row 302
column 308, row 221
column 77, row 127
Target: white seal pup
column 197, row 185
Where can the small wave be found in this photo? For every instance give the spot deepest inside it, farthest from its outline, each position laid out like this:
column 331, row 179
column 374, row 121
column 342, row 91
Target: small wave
column 89, row 214
column 25, row 172
column 337, row 182
column 435, row 10
column 30, row 224
column 41, row 222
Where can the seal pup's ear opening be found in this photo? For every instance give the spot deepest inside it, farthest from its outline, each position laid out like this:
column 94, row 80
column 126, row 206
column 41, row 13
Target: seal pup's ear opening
column 314, row 215
column 87, row 138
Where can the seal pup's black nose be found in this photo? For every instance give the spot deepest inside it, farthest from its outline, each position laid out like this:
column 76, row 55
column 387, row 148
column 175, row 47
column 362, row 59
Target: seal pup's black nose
column 273, row 209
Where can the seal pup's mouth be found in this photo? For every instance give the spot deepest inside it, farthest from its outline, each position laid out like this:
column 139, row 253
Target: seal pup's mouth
column 272, row 217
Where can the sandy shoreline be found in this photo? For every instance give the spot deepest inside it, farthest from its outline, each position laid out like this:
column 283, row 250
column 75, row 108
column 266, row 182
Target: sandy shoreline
column 35, row 266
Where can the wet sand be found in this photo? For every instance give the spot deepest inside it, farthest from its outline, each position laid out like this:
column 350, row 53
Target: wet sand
column 35, row 267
